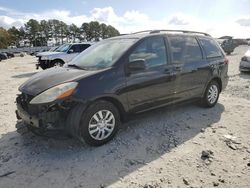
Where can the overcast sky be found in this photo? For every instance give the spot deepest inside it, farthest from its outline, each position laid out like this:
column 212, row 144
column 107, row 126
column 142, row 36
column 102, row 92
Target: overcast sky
column 217, row 17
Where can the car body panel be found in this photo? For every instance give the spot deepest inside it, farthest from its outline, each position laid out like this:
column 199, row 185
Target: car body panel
column 52, row 77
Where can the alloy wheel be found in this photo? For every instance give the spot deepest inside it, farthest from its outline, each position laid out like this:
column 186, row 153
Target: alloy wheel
column 212, row 94
column 101, row 125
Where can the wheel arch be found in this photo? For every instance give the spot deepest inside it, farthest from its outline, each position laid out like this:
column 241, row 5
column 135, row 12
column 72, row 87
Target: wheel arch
column 57, row 59
column 116, row 103
column 217, row 79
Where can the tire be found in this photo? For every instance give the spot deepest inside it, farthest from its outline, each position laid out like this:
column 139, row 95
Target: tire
column 211, row 95
column 57, row 63
column 97, row 133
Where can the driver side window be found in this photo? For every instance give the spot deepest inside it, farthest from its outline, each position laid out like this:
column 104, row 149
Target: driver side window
column 152, row 51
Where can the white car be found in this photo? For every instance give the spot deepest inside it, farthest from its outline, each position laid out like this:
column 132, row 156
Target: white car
column 245, row 62
column 248, row 41
column 61, row 55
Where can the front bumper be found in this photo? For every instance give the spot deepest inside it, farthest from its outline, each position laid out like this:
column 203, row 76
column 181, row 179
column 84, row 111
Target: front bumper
column 43, row 64
column 40, row 116
column 244, row 66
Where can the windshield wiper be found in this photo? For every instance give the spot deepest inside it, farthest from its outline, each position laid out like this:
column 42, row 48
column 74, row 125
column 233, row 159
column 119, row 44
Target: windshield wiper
column 74, row 65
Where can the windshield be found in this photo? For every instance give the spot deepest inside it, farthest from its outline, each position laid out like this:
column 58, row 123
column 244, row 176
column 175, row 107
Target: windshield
column 63, row 48
column 53, row 49
column 103, row 54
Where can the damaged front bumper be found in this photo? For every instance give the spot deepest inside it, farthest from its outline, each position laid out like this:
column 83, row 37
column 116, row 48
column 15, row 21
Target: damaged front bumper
column 43, row 117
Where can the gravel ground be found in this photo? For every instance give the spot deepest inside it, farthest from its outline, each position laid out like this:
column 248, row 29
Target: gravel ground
column 181, row 146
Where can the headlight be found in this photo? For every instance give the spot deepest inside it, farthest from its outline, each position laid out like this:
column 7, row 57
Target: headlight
column 58, row 92
column 45, row 58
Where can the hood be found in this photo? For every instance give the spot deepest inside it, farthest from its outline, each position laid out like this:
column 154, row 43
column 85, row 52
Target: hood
column 49, row 53
column 52, row 77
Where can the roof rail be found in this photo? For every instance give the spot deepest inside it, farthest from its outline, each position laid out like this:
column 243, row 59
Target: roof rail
column 179, row 31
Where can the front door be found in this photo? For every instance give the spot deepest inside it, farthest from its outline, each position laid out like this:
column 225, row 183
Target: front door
column 154, row 85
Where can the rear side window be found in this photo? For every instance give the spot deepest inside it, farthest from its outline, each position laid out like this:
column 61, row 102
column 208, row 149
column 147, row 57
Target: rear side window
column 184, row 49
column 210, row 47
column 152, row 50
column 84, row 47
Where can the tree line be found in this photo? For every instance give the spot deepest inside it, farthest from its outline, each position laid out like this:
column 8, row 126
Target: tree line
column 38, row 33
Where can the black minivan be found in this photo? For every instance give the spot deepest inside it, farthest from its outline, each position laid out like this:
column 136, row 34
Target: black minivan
column 90, row 96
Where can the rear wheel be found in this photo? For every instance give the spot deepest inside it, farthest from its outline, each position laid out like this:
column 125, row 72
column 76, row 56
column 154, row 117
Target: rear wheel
column 99, row 123
column 211, row 95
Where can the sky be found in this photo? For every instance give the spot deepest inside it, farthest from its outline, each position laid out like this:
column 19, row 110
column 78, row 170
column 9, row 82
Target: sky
column 216, row 17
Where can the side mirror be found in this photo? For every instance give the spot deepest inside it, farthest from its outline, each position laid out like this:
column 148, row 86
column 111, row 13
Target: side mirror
column 70, row 51
column 137, row 65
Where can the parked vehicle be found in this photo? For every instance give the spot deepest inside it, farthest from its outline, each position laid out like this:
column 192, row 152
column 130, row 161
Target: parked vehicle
column 10, row 54
column 121, row 76
column 228, row 45
column 60, row 55
column 245, row 62
column 248, row 41
column 3, row 56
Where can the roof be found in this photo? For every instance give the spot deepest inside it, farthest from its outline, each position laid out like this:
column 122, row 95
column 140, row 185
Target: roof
column 142, row 34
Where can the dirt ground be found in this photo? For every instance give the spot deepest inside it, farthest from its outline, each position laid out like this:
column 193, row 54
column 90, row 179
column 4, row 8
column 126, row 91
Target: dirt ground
column 181, row 146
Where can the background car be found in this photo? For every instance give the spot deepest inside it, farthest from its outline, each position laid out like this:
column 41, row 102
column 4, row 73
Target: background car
column 60, row 55
column 228, row 45
column 10, row 54
column 3, row 56
column 248, row 41
column 245, row 62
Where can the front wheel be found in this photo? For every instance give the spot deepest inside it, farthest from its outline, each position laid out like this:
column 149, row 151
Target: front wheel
column 57, row 63
column 99, row 123
column 211, row 95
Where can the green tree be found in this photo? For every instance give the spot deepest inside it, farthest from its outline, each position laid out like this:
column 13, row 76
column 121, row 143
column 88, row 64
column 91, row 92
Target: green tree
column 74, row 32
column 45, row 31
column 86, row 31
column 112, row 32
column 14, row 35
column 95, row 30
column 104, row 31
column 5, row 38
column 32, row 28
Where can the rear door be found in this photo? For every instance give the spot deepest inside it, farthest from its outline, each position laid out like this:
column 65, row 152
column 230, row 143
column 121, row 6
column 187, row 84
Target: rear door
column 153, row 86
column 215, row 61
column 188, row 58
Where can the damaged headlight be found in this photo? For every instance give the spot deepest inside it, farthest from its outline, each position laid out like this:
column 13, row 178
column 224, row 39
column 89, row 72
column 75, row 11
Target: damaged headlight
column 58, row 92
